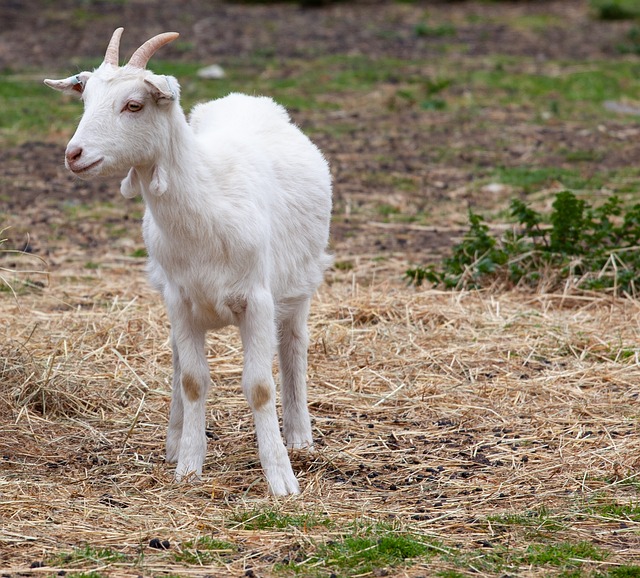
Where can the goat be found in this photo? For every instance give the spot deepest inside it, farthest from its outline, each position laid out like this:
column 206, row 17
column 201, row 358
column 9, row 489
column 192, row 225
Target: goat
column 236, row 224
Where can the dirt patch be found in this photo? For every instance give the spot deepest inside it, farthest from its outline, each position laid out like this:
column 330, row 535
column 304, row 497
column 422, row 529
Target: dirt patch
column 387, row 142
column 59, row 35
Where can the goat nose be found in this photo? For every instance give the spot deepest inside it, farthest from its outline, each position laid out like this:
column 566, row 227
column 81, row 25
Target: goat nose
column 73, row 154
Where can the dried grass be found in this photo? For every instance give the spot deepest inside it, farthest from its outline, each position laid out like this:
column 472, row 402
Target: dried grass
column 433, row 410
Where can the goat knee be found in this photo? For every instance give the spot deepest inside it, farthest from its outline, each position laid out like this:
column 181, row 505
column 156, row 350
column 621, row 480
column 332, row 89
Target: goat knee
column 193, row 441
column 260, row 394
column 193, row 388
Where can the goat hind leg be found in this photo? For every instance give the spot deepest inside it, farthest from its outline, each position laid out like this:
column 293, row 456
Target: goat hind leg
column 257, row 329
column 176, row 414
column 292, row 355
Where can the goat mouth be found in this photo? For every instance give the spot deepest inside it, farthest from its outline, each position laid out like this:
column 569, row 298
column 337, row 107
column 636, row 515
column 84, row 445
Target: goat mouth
column 86, row 168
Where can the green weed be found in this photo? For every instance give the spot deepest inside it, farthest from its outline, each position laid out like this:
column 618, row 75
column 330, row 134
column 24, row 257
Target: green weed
column 140, row 253
column 343, row 265
column 615, row 9
column 631, row 43
column 596, row 247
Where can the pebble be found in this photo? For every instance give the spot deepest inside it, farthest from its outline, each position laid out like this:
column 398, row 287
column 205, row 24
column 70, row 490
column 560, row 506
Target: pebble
column 213, row 72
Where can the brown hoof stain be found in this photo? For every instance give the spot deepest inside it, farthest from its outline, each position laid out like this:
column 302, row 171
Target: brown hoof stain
column 191, row 387
column 260, row 395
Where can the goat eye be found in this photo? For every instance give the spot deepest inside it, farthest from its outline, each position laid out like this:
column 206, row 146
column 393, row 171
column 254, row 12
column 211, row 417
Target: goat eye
column 133, row 106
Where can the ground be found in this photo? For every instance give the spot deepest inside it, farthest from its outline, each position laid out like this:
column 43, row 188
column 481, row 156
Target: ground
column 496, row 429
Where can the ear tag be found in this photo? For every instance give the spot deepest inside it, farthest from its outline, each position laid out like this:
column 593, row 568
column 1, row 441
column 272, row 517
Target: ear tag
column 78, row 85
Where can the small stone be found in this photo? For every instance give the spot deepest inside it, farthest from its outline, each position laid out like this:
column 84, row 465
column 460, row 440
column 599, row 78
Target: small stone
column 494, row 188
column 213, row 72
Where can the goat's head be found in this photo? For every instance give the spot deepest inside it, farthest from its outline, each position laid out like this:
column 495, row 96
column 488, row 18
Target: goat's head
column 125, row 111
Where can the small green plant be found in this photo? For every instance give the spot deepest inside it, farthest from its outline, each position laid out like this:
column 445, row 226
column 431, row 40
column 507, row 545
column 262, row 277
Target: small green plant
column 272, row 519
column 87, row 554
column 204, row 550
column 616, row 9
column 140, row 253
column 598, row 248
column 631, row 45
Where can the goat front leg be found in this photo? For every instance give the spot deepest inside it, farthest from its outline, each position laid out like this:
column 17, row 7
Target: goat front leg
column 258, row 333
column 293, row 341
column 191, row 383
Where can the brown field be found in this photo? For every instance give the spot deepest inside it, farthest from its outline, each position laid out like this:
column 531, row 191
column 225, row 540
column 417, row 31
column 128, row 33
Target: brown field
column 483, row 424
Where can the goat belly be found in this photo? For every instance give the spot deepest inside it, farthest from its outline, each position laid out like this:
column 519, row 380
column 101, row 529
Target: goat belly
column 214, row 315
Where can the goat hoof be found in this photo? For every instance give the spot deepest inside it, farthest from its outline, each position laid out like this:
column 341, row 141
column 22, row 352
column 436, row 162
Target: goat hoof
column 172, row 452
column 282, row 482
column 304, row 445
column 187, row 473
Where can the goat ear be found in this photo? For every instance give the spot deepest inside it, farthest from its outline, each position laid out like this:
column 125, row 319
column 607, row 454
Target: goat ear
column 73, row 85
column 163, row 89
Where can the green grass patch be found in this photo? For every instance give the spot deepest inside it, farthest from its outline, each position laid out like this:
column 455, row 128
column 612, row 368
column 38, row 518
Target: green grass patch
column 367, row 550
column 530, row 178
column 271, row 519
column 540, row 520
column 578, row 93
column 28, row 108
column 204, row 550
column 624, row 571
column 564, row 554
column 616, row 511
column 87, row 554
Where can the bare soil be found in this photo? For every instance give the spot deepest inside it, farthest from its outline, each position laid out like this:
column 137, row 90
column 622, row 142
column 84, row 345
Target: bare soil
column 387, row 140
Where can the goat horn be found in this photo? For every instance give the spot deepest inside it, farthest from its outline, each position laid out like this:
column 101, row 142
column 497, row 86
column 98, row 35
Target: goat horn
column 113, row 50
column 147, row 50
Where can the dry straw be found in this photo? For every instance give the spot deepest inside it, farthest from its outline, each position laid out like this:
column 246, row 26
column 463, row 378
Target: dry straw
column 432, row 410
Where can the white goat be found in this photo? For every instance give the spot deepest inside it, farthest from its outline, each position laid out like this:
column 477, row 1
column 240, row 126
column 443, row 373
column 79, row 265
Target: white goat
column 236, row 225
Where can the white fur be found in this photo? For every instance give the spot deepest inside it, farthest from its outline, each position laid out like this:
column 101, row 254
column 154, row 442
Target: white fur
column 238, row 205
